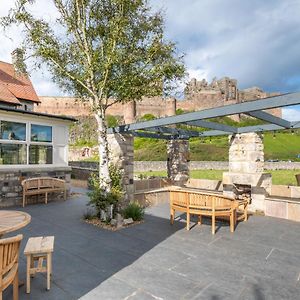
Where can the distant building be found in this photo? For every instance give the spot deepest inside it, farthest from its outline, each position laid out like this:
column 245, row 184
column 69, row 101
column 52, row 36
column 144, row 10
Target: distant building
column 198, row 95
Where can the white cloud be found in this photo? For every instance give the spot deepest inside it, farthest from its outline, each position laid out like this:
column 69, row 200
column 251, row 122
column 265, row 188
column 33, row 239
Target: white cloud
column 12, row 38
column 256, row 42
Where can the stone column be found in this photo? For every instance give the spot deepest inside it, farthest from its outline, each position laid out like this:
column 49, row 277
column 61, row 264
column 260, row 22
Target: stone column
column 129, row 112
column 246, row 153
column 178, row 152
column 178, row 161
column 121, row 155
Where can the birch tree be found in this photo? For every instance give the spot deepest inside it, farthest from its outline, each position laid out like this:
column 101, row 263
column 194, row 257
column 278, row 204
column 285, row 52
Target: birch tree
column 103, row 52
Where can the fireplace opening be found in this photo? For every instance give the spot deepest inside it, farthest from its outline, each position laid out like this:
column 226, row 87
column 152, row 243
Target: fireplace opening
column 242, row 192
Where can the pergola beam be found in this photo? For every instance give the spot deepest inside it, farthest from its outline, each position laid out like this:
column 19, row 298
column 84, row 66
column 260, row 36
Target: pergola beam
column 245, row 107
column 264, row 116
column 151, row 135
column 213, row 125
column 173, row 131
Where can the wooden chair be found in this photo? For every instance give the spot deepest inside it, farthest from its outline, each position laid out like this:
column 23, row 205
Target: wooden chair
column 9, row 264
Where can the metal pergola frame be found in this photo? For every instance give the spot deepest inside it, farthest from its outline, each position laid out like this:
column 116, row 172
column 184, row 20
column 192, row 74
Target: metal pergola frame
column 158, row 128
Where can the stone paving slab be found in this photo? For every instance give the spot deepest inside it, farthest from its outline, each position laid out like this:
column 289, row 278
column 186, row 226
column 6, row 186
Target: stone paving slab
column 153, row 260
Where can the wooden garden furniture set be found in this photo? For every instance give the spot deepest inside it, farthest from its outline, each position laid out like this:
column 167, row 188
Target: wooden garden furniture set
column 204, row 204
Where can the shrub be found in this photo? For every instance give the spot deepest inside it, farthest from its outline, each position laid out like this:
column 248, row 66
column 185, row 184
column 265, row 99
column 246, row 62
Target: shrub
column 134, row 211
column 102, row 200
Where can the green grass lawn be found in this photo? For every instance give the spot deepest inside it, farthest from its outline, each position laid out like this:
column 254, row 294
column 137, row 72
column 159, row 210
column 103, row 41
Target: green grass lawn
column 284, row 177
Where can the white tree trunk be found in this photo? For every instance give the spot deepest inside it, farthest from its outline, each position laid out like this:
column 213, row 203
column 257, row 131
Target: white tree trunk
column 104, row 177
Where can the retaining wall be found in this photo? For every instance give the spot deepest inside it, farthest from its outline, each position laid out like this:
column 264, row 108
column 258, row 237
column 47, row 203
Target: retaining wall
column 141, row 166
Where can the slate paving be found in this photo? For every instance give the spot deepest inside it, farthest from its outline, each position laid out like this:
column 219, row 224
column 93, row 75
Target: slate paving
column 153, row 260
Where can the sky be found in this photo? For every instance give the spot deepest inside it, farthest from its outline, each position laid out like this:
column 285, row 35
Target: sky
column 256, row 42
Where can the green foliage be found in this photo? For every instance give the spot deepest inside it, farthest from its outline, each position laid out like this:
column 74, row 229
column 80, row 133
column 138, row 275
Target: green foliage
column 150, row 149
column 135, row 211
column 116, row 177
column 147, row 117
column 100, row 198
column 83, row 132
column 179, row 111
column 112, row 121
column 285, row 177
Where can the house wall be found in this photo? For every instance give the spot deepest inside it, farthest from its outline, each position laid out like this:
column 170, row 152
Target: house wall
column 60, row 132
column 11, row 176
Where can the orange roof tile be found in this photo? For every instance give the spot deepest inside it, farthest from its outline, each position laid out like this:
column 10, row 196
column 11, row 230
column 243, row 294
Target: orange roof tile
column 7, row 96
column 19, row 86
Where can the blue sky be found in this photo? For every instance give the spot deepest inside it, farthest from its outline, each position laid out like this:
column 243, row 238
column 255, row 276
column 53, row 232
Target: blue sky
column 256, row 42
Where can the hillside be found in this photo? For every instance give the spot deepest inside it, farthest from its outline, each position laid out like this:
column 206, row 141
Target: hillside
column 282, row 146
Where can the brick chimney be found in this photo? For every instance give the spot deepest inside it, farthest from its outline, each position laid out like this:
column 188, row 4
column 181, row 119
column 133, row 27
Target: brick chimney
column 17, row 57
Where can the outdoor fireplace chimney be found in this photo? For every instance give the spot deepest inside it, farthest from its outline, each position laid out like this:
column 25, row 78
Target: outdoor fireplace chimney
column 246, row 170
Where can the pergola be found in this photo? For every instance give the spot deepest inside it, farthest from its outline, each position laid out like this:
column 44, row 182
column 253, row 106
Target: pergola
column 159, row 129
column 246, row 154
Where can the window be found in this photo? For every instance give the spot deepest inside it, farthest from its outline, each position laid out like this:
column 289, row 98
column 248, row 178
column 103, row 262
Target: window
column 12, row 131
column 41, row 133
column 26, row 143
column 40, row 154
column 13, row 154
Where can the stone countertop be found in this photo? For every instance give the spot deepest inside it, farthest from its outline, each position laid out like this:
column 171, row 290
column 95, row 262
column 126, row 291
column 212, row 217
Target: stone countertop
column 35, row 169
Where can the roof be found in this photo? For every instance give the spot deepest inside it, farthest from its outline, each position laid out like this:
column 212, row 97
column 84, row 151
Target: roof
column 27, row 112
column 14, row 86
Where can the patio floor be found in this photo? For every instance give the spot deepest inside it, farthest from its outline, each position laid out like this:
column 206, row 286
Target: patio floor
column 153, row 260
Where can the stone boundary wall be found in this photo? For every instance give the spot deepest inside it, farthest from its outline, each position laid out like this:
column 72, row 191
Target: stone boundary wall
column 141, row 166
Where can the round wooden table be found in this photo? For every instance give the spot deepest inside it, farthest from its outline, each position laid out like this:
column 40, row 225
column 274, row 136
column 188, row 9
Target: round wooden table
column 11, row 220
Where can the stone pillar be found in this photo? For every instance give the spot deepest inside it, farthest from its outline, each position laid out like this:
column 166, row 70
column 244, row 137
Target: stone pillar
column 170, row 107
column 129, row 112
column 246, row 153
column 121, row 155
column 178, row 152
column 178, row 161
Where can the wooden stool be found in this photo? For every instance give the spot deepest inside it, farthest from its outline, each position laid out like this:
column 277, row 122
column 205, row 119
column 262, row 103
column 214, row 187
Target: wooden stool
column 38, row 249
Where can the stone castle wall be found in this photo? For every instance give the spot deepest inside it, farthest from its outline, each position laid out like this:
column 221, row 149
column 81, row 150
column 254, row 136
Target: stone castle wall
column 199, row 95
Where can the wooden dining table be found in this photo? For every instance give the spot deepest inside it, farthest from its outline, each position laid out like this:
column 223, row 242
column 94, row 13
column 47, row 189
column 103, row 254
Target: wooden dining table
column 12, row 220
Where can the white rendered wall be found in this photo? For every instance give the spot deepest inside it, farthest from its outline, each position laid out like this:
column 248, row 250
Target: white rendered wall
column 60, row 133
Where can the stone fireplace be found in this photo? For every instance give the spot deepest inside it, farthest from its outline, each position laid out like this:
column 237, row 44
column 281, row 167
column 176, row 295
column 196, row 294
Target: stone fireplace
column 246, row 169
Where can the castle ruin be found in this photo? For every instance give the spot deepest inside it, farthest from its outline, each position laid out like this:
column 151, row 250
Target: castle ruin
column 198, row 95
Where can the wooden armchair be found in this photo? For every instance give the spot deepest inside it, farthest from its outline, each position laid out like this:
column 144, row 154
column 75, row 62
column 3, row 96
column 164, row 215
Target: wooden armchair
column 9, row 264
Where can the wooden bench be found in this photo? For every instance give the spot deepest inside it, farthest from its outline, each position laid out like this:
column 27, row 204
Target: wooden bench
column 201, row 204
column 43, row 185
